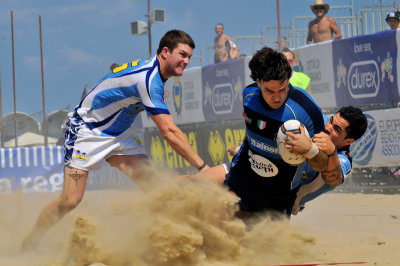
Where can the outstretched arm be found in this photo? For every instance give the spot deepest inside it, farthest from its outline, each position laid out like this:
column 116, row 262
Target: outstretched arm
column 175, row 137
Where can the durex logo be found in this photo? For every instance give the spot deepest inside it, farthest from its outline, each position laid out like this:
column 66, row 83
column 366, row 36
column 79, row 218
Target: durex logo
column 222, row 98
column 363, row 79
column 362, row 150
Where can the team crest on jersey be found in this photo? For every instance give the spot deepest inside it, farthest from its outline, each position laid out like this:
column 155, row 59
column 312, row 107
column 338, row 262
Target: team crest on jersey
column 261, row 124
column 177, row 96
column 80, row 155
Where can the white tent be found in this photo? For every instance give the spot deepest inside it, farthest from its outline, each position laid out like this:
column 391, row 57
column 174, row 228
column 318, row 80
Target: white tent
column 29, row 139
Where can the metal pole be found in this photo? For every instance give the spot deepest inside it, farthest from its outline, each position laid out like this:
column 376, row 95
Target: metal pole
column 1, row 119
column 43, row 98
column 13, row 71
column 279, row 20
column 149, row 26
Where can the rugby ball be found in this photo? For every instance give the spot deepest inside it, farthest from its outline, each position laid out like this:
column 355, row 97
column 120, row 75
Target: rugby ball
column 294, row 127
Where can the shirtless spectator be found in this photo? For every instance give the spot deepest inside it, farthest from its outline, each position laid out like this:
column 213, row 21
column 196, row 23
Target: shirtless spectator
column 220, row 53
column 322, row 28
column 393, row 20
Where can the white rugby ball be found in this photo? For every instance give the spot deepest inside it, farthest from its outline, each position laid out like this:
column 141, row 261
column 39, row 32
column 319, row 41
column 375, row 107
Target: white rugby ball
column 294, row 127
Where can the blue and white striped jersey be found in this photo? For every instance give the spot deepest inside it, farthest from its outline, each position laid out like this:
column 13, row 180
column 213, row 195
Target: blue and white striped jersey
column 112, row 105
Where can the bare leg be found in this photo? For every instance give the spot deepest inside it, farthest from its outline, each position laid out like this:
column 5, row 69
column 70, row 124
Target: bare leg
column 215, row 174
column 52, row 213
column 137, row 167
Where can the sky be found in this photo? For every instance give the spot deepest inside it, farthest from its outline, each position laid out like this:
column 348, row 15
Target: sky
column 81, row 39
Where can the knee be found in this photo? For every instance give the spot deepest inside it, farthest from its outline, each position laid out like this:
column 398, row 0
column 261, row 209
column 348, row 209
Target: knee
column 68, row 203
column 116, row 163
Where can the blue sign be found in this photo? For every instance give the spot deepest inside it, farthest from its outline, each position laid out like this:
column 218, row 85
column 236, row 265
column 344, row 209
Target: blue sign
column 37, row 169
column 366, row 69
column 362, row 150
column 222, row 90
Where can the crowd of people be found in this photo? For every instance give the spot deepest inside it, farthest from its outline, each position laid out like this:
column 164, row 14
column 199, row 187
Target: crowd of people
column 99, row 128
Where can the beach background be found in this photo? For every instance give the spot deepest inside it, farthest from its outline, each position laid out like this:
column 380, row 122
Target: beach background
column 189, row 223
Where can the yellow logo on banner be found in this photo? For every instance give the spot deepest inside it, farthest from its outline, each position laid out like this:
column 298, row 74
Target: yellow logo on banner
column 157, row 150
column 162, row 152
column 216, row 148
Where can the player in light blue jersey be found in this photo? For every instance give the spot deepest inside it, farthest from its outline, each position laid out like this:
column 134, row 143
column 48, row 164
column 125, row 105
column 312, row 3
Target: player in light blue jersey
column 100, row 127
column 342, row 129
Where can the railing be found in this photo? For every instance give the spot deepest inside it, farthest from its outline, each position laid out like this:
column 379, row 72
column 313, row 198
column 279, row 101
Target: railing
column 352, row 20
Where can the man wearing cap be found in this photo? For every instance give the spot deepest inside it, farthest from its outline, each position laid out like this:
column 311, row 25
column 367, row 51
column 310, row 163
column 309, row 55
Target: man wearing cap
column 322, row 28
column 393, row 20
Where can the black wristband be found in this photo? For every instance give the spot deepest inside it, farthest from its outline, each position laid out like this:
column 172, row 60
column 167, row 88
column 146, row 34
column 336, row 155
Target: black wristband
column 202, row 166
column 333, row 153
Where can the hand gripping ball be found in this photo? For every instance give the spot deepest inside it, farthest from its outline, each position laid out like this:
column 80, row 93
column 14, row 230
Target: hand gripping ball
column 294, row 127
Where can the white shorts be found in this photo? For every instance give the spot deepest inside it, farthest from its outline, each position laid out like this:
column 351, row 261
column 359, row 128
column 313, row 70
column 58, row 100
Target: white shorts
column 86, row 150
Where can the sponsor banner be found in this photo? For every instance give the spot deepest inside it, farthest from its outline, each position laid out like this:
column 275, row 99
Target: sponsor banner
column 398, row 63
column 183, row 97
column 222, row 87
column 163, row 154
column 209, row 141
column 315, row 61
column 41, row 169
column 218, row 138
column 380, row 145
column 366, row 69
column 37, row 169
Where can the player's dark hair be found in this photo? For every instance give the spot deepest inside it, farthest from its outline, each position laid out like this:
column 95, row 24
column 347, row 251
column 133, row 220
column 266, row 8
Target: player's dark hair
column 172, row 38
column 357, row 121
column 268, row 64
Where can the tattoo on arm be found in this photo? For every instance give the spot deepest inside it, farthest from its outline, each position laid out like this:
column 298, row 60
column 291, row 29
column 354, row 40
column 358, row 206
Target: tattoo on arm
column 76, row 177
column 333, row 177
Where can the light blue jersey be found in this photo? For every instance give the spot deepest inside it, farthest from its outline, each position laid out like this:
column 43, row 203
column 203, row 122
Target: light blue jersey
column 310, row 175
column 112, row 105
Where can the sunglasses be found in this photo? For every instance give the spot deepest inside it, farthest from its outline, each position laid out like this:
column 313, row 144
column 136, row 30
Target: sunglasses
column 319, row 8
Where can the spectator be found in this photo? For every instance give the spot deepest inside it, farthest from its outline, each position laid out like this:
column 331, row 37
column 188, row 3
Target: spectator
column 285, row 43
column 298, row 79
column 322, row 28
column 277, row 46
column 393, row 20
column 220, row 52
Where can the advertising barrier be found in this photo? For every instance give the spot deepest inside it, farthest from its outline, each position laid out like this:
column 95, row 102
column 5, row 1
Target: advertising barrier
column 365, row 69
column 316, row 61
column 380, row 145
column 210, row 141
column 206, row 103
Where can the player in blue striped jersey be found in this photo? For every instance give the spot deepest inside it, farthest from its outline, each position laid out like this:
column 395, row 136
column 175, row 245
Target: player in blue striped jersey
column 101, row 126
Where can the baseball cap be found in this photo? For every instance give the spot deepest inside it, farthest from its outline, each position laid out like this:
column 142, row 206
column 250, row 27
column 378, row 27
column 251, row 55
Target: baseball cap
column 395, row 15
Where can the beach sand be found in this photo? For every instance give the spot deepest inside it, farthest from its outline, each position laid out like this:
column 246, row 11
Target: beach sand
column 189, row 224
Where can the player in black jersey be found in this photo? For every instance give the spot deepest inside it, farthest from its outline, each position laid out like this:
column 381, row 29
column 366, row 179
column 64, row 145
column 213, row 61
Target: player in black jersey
column 259, row 176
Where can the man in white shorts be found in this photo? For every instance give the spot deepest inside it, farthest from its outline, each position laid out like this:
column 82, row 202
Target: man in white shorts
column 100, row 127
